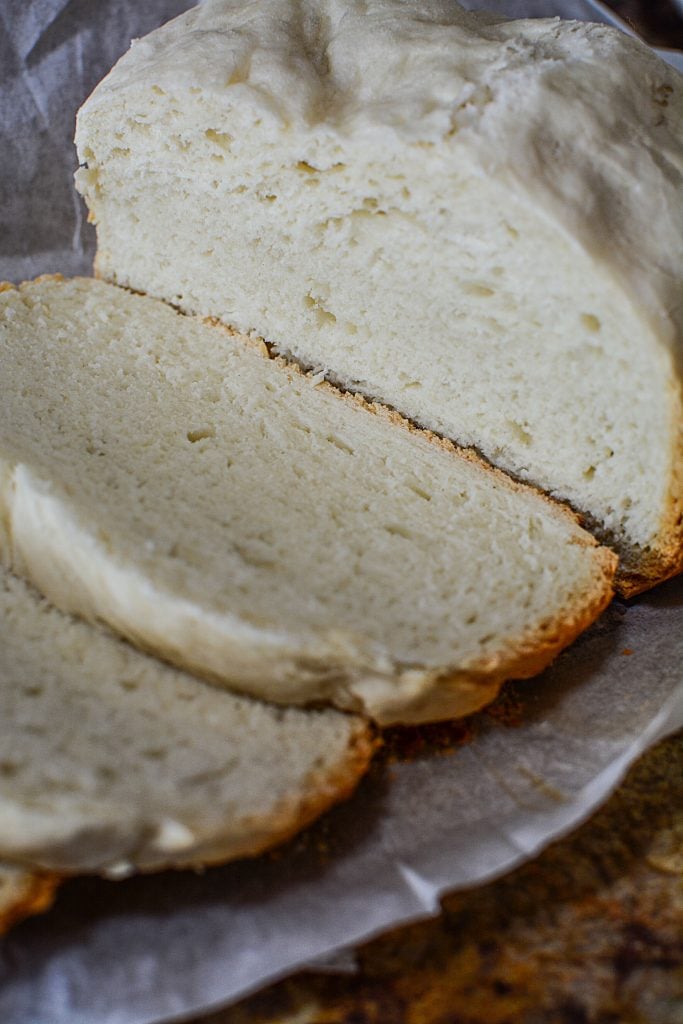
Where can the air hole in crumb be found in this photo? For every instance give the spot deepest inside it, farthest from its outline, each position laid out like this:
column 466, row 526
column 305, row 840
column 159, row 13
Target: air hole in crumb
column 325, row 316
column 341, row 445
column 128, row 684
column 158, row 90
column 303, row 165
column 200, row 434
column 221, row 139
column 238, row 75
column 591, row 322
column 32, row 691
column 472, row 288
column 397, row 531
column 154, row 753
column 520, row 432
column 8, row 769
column 471, row 619
column 512, row 232
column 420, row 492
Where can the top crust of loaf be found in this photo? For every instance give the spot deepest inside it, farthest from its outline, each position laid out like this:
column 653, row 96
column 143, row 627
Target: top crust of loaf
column 516, row 99
column 325, row 81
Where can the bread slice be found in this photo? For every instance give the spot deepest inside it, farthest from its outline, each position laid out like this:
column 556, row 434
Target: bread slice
column 112, row 762
column 220, row 509
column 23, row 893
column 478, row 222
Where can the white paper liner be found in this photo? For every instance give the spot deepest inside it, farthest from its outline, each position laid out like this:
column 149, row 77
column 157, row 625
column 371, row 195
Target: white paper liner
column 169, row 946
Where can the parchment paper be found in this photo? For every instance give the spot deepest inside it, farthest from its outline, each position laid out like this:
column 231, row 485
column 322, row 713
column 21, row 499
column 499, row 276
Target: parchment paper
column 163, row 947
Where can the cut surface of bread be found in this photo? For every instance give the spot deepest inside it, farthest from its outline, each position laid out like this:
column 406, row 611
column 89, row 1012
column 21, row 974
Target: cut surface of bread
column 219, row 508
column 22, row 893
column 478, row 222
column 111, row 761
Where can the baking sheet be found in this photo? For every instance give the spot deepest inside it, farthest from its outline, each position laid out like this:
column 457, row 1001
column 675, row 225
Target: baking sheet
column 464, row 805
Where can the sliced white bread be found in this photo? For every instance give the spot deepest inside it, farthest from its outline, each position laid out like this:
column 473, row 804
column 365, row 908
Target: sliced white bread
column 219, row 508
column 476, row 221
column 22, row 893
column 112, row 762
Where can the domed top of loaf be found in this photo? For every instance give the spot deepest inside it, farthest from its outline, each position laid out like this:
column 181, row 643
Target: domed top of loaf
column 584, row 120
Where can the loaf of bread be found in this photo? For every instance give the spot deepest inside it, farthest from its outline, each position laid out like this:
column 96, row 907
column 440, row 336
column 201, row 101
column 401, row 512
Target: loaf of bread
column 217, row 507
column 112, row 762
column 476, row 221
column 22, row 893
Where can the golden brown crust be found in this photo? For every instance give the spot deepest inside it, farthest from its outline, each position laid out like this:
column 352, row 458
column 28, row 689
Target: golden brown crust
column 32, row 891
column 7, row 286
column 666, row 560
column 24, row 893
column 321, row 791
column 468, row 690
column 295, row 813
column 539, row 646
column 652, row 570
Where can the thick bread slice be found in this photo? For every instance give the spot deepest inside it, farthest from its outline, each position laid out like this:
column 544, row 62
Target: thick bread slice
column 217, row 507
column 111, row 761
column 23, row 893
column 476, row 221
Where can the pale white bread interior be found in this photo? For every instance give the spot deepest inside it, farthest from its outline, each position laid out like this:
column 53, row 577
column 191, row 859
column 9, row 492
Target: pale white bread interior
column 23, row 892
column 111, row 761
column 476, row 221
column 223, row 510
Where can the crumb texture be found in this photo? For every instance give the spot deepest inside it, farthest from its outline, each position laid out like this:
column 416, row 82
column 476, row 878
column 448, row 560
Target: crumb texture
column 476, row 221
column 112, row 762
column 221, row 509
